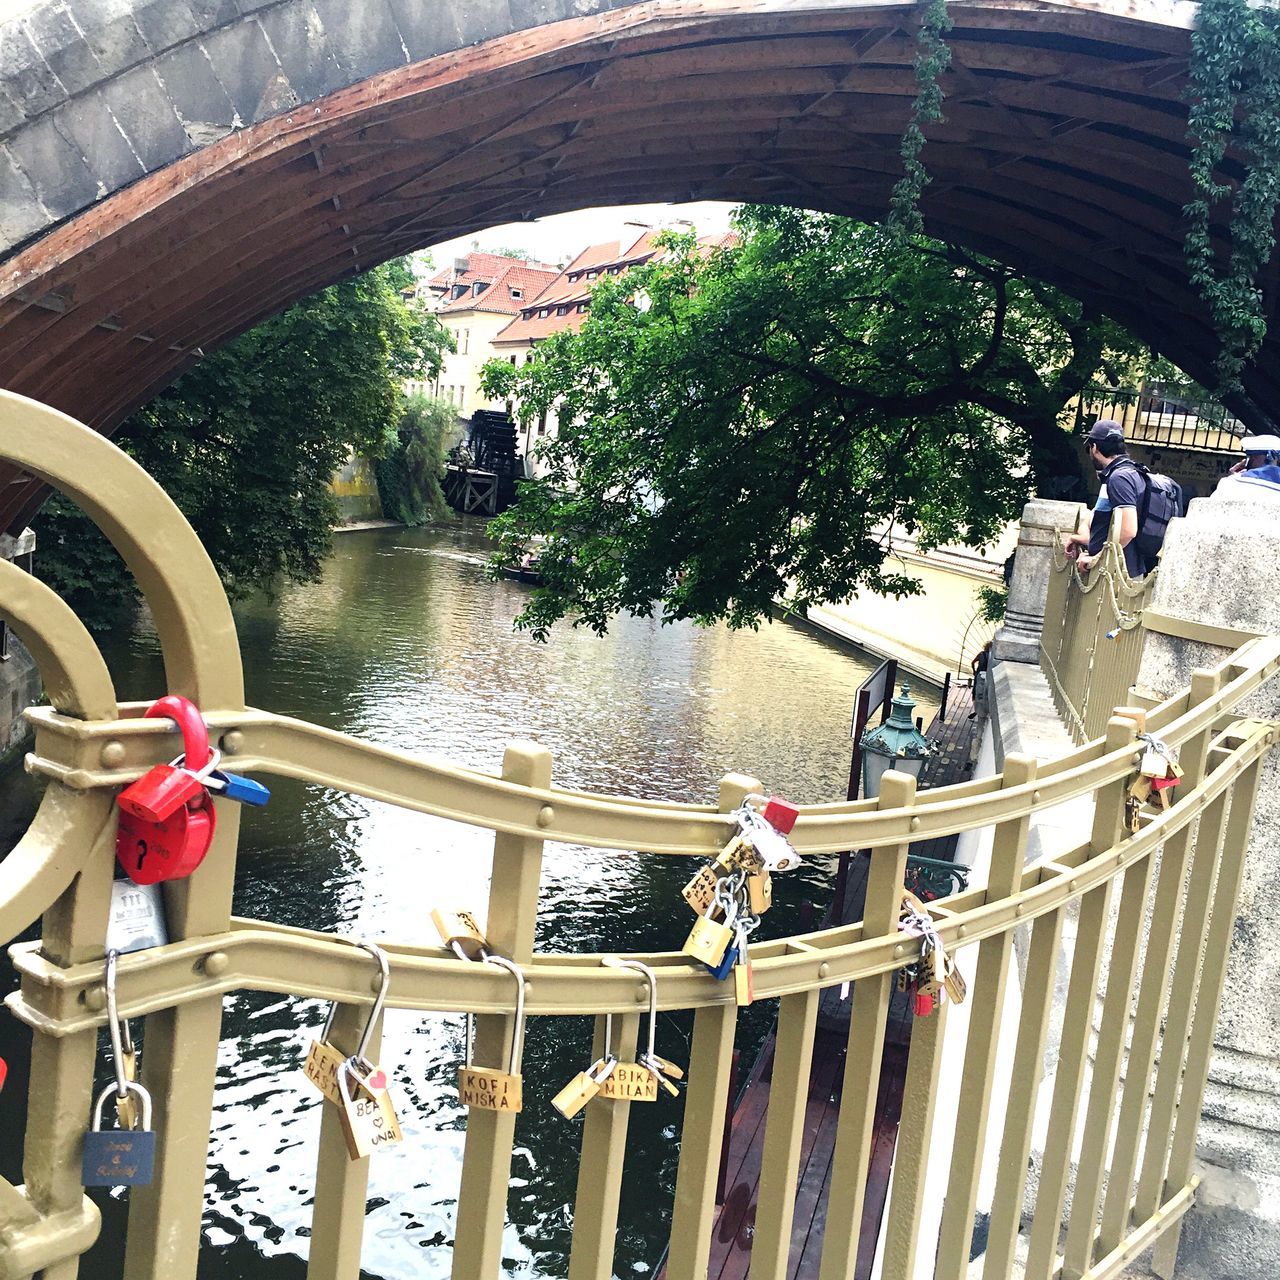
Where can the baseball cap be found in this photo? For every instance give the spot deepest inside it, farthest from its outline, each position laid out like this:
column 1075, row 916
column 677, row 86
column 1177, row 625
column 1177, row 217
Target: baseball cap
column 1260, row 444
column 1105, row 429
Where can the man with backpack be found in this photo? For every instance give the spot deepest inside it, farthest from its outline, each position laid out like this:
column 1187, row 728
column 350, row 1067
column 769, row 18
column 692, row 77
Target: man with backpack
column 1146, row 504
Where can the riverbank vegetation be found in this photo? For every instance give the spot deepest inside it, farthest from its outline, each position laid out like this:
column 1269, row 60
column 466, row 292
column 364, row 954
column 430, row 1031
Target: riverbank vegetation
column 409, row 472
column 745, row 424
column 247, row 442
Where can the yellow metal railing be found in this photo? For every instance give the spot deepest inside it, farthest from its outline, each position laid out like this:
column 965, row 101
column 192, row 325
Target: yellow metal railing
column 1165, row 931
column 1092, row 638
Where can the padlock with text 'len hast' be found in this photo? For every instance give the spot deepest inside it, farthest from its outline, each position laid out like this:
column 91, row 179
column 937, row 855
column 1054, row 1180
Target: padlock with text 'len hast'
column 166, row 818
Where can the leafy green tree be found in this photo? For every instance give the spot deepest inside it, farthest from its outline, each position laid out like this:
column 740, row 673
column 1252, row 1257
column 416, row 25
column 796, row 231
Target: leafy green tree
column 746, row 424
column 247, row 441
column 409, row 474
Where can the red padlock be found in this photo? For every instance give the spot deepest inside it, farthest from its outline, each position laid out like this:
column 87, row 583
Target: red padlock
column 780, row 814
column 166, row 818
column 4, row 1071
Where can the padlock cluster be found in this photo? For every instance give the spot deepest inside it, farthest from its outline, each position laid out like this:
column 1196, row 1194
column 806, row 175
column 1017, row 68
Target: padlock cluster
column 732, row 891
column 1158, row 773
column 167, row 818
column 934, row 975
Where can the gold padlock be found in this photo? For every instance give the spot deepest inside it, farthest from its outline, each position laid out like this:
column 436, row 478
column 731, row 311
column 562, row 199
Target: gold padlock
column 583, row 1087
column 760, row 891
column 630, row 1082
column 484, row 1087
column 708, row 941
column 700, row 892
column 460, row 933
column 738, row 854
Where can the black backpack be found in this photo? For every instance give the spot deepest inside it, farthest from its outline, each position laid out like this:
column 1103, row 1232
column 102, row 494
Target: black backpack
column 1162, row 499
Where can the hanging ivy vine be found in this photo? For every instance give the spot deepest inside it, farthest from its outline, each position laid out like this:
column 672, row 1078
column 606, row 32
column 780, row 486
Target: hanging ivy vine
column 1234, row 93
column 933, row 57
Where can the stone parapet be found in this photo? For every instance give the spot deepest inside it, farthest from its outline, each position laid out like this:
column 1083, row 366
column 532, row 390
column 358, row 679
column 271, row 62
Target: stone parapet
column 1019, row 639
column 1219, row 568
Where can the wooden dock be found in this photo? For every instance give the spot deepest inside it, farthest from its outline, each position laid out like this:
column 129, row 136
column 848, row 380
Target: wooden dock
column 730, row 1256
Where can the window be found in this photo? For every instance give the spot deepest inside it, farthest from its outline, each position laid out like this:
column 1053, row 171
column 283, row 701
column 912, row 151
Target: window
column 462, row 398
column 459, row 290
column 513, row 360
column 582, row 306
column 465, row 345
column 517, row 294
column 543, row 312
column 591, row 275
column 563, row 310
column 613, row 271
column 542, row 425
column 574, row 275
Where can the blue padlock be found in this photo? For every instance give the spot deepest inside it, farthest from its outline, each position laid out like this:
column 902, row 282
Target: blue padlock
column 242, row 790
column 727, row 961
column 119, row 1157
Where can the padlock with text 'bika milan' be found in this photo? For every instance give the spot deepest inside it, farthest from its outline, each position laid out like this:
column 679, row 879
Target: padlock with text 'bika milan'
column 166, row 818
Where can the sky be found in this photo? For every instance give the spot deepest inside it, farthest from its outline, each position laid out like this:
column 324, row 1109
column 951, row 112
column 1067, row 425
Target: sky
column 561, row 236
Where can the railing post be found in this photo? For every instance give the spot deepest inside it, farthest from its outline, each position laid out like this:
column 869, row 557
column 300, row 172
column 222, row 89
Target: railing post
column 1073, row 1053
column 867, row 1022
column 513, row 914
column 709, row 1064
column 1008, row 856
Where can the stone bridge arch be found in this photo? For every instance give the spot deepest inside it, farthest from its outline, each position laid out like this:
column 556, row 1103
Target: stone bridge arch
column 173, row 171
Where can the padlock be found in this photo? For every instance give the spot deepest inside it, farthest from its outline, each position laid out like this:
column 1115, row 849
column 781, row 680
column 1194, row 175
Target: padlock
column 772, row 847
column 4, row 1071
column 700, row 892
column 583, row 1087
column 119, row 1157
column 759, row 891
column 484, row 1087
column 656, row 1065
column 780, row 814
column 154, row 851
column 630, row 1082
column 708, row 941
column 161, row 790
column 161, row 835
column 369, row 1121
column 724, row 967
column 460, row 932
column 231, row 786
column 738, row 854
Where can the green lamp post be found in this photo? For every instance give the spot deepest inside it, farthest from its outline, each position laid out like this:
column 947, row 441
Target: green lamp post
column 895, row 744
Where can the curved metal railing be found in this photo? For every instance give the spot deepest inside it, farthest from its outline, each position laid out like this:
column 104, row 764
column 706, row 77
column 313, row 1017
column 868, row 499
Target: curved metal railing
column 1162, row 1006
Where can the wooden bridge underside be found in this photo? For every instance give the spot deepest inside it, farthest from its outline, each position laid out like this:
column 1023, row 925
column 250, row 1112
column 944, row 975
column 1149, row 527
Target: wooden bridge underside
column 1063, row 151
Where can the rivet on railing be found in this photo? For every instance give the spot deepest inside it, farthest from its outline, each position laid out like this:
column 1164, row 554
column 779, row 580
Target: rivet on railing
column 900, row 950
column 216, row 963
column 961, row 931
column 1017, row 911
column 642, row 993
column 1071, row 884
column 95, row 999
column 915, row 824
column 824, row 969
column 1035, row 797
column 232, row 742
column 375, row 983
column 112, row 754
column 546, row 815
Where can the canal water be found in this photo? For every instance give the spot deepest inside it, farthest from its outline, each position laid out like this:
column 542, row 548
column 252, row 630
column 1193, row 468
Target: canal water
column 405, row 642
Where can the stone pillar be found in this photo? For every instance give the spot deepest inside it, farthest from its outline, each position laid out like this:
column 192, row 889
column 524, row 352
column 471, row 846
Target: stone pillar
column 19, row 678
column 1019, row 639
column 1220, row 566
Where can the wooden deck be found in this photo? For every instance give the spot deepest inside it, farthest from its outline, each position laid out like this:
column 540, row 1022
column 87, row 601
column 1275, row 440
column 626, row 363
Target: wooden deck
column 730, row 1256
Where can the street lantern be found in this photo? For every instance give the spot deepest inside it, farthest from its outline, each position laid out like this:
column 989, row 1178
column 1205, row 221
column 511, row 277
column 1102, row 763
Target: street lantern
column 896, row 744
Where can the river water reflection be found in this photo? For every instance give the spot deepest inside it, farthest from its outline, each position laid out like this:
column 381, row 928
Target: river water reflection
column 405, row 643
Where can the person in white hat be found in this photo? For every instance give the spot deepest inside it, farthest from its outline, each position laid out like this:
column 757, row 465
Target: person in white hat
column 1260, row 466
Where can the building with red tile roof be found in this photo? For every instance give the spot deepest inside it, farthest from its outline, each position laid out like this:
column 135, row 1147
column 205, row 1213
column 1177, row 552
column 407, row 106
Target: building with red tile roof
column 475, row 299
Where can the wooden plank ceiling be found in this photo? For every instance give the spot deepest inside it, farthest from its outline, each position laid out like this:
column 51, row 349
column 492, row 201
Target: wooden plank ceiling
column 1063, row 152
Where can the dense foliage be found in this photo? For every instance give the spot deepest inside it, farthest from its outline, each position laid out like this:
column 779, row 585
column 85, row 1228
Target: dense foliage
column 1234, row 89
column 410, row 471
column 247, row 441
column 745, row 424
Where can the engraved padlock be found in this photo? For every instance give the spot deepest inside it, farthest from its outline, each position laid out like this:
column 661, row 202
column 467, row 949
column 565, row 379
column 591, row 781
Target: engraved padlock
column 700, row 892
column 759, row 891
column 369, row 1121
column 119, row 1157
column 485, row 1087
column 460, row 932
column 583, row 1087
